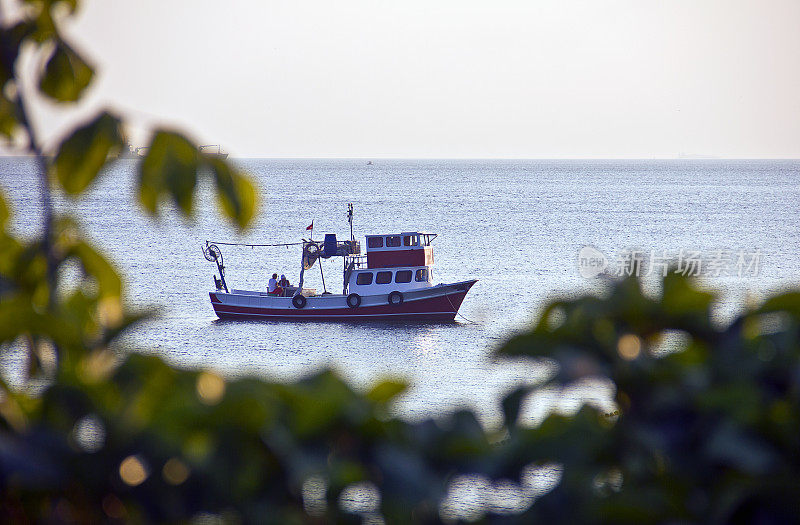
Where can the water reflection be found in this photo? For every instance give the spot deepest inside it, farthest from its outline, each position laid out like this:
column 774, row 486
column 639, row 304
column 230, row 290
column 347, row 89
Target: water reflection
column 426, row 344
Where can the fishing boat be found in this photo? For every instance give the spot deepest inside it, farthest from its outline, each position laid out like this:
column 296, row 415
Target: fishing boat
column 127, row 152
column 208, row 149
column 392, row 280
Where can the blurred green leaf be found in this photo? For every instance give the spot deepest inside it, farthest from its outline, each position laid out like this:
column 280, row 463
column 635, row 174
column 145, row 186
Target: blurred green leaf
column 236, row 194
column 512, row 404
column 70, row 244
column 108, row 282
column 113, row 331
column 5, row 212
column 18, row 316
column 10, row 40
column 170, row 167
column 81, row 156
column 66, row 74
column 25, row 266
column 680, row 297
column 9, row 118
column 789, row 301
column 385, row 391
column 317, row 403
column 71, row 5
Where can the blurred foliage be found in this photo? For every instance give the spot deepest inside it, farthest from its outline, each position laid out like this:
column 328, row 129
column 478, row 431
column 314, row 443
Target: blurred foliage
column 81, row 156
column 66, row 74
column 242, row 447
column 171, row 168
column 705, row 428
column 707, row 421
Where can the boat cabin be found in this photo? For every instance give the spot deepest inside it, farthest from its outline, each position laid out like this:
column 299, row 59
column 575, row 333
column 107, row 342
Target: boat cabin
column 399, row 261
column 403, row 249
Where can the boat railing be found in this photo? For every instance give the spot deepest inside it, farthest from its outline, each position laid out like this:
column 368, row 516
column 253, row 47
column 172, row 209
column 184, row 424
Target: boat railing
column 358, row 261
column 350, row 248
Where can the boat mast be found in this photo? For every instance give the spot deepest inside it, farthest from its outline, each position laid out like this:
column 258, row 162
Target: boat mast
column 350, row 220
column 324, row 289
column 302, row 271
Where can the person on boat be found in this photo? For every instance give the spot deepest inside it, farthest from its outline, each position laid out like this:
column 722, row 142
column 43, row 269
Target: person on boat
column 272, row 286
column 284, row 282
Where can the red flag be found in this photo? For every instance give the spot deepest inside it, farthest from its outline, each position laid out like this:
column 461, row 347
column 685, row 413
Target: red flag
column 310, row 226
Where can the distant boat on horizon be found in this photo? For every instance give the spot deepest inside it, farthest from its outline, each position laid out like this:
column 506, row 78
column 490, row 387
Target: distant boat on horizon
column 127, row 152
column 218, row 154
column 134, row 153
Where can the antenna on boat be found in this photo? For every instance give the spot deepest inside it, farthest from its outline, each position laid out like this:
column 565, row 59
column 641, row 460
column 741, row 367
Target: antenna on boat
column 350, row 220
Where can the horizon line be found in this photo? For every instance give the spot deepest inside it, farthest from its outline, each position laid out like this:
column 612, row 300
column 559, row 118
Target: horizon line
column 368, row 158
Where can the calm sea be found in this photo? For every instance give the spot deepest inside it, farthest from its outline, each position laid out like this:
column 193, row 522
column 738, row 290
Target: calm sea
column 517, row 226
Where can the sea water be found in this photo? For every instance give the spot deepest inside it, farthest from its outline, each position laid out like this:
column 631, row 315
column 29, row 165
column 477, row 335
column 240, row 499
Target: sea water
column 516, row 226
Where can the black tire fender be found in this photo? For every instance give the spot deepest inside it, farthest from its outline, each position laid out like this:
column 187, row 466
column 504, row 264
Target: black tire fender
column 395, row 298
column 299, row 301
column 353, row 300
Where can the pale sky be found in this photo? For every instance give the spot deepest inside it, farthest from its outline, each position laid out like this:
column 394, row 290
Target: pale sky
column 453, row 78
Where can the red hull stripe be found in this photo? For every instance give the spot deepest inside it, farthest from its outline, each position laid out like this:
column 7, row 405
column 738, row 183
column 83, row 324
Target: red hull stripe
column 434, row 307
column 430, row 316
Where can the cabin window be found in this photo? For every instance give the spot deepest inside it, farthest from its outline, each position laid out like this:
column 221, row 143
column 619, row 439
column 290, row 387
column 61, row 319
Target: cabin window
column 393, row 241
column 403, row 276
column 410, row 240
column 422, row 275
column 383, row 278
column 375, row 242
column 427, row 238
column 364, row 278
